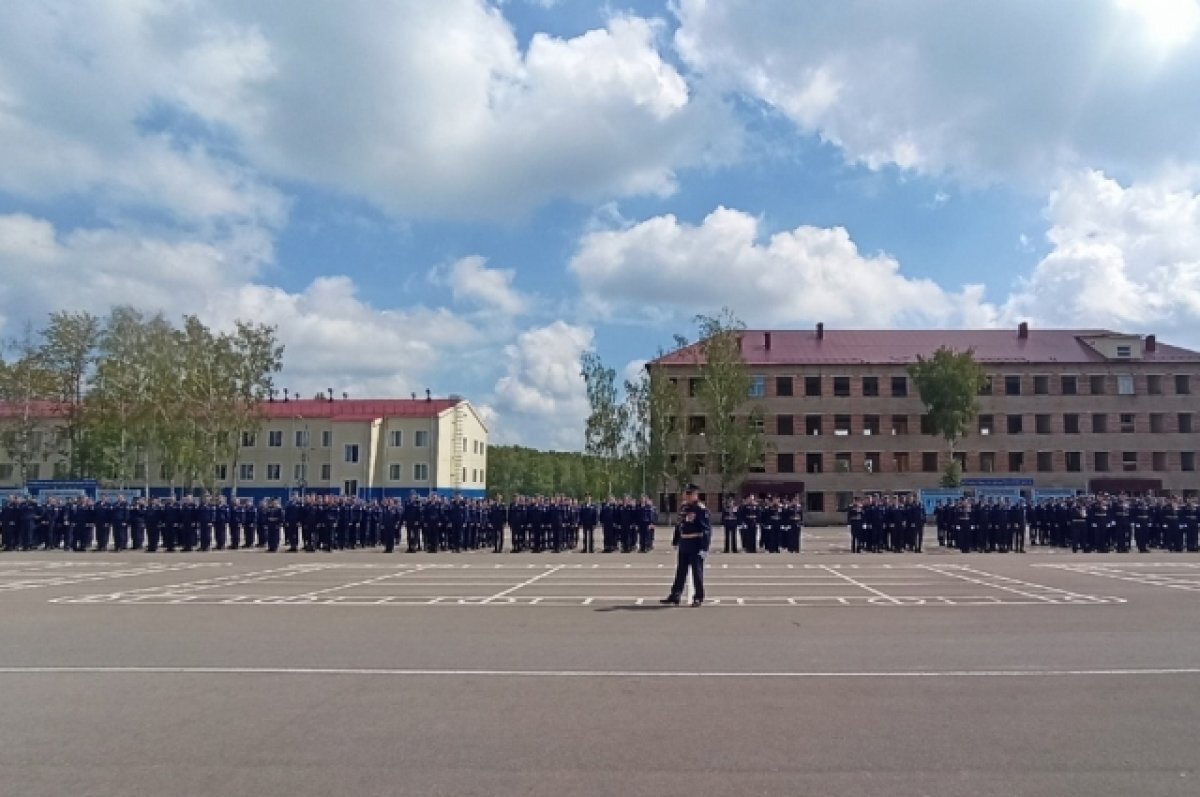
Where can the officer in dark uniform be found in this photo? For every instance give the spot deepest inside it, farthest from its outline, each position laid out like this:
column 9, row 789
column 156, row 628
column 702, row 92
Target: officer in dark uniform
column 729, row 519
column 695, row 536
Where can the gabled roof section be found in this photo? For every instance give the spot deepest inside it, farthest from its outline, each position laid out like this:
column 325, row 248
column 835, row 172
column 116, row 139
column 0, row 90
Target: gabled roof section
column 762, row 347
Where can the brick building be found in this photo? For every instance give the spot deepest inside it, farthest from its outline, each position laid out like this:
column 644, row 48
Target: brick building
column 1064, row 410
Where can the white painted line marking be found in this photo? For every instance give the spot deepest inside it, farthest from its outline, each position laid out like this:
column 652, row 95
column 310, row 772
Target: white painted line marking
column 523, row 584
column 482, row 673
column 861, row 585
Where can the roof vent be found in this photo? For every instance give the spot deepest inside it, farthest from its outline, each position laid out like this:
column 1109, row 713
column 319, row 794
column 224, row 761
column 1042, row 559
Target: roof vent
column 1151, row 343
column 1023, row 331
column 820, row 330
column 767, row 340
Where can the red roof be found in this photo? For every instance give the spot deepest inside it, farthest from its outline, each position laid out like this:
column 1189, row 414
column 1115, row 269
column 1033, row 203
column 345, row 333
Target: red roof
column 901, row 346
column 336, row 410
column 357, row 409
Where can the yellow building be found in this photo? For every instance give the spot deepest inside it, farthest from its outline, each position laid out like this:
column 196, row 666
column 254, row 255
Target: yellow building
column 366, row 447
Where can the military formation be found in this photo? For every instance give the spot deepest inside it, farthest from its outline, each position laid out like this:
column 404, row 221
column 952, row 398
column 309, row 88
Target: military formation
column 312, row 523
column 1085, row 524
column 557, row 524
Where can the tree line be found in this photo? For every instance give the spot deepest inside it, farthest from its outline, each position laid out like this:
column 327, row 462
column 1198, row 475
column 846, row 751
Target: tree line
column 132, row 391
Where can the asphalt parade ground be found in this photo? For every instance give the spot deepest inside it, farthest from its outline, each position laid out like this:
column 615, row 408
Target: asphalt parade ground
column 826, row 673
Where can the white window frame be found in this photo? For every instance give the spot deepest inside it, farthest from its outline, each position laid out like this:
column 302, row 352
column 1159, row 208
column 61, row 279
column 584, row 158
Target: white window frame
column 274, row 472
column 249, row 439
column 299, row 472
column 246, row 472
column 275, row 438
column 326, row 471
column 396, row 438
column 349, row 448
column 420, row 471
column 395, row 472
column 1125, row 385
column 301, row 438
column 421, row 439
column 326, row 439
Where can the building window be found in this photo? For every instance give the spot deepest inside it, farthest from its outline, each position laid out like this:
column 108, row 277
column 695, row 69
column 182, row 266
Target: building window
column 1099, row 423
column 812, row 385
column 760, row 466
column 1071, row 423
column 249, row 439
column 1015, row 424
column 326, row 470
column 929, row 462
column 1045, row 461
column 814, row 502
column 421, row 439
column 961, row 458
column 221, row 472
column 1096, row 384
column 870, row 424
column 812, row 425
column 1125, row 384
column 986, row 423
column 1012, row 385
column 273, row 472
column 246, row 472
column 1124, row 352
column 899, row 424
column 784, row 425
column 899, row 386
column 6, row 472
column 396, row 438
column 842, row 462
column 1016, row 461
column 694, row 386
column 1041, row 424
column 871, row 461
column 139, row 471
column 1069, row 385
column 1100, row 462
column 1187, row 460
column 464, row 474
column 1183, row 384
column 758, row 388
column 1129, row 461
column 301, row 438
column 351, row 452
column 395, row 471
column 1154, row 385
column 900, row 462
column 841, row 386
column 783, row 386
column 299, row 472
column 1127, row 423
column 1074, row 461
column 696, row 424
column 420, row 472
column 1041, row 385
column 844, row 500
column 870, row 386
column 275, row 438
column 786, row 463
column 326, row 439
column 841, row 425
column 1185, row 422
column 926, row 424
column 987, row 461
column 1158, row 422
column 813, row 462
column 1158, row 461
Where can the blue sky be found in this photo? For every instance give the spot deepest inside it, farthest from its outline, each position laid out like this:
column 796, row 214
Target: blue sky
column 469, row 195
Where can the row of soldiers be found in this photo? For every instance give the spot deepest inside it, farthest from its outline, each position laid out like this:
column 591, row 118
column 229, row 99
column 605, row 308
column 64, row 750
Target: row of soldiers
column 775, row 524
column 881, row 523
column 1098, row 523
column 536, row 524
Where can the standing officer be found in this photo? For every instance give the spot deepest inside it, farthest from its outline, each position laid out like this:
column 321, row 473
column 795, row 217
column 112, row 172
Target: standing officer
column 729, row 519
column 695, row 535
column 588, row 517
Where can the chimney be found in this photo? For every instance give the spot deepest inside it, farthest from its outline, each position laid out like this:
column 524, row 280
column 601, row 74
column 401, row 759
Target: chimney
column 820, row 330
column 1151, row 343
column 1023, row 330
column 767, row 340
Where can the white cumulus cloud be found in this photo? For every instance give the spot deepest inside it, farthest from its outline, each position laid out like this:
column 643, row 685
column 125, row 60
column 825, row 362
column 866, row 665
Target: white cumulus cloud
column 541, row 396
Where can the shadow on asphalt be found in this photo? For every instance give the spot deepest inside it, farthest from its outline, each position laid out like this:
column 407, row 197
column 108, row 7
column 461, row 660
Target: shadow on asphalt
column 634, row 608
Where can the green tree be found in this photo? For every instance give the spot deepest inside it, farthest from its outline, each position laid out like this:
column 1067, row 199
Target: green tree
column 68, row 351
column 25, row 384
column 949, row 383
column 733, row 434
column 608, row 420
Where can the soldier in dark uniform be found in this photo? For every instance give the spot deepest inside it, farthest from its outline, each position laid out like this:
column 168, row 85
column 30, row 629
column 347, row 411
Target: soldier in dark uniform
column 695, row 536
column 748, row 520
column 854, row 520
column 729, row 520
column 120, row 524
column 646, row 520
column 589, row 516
